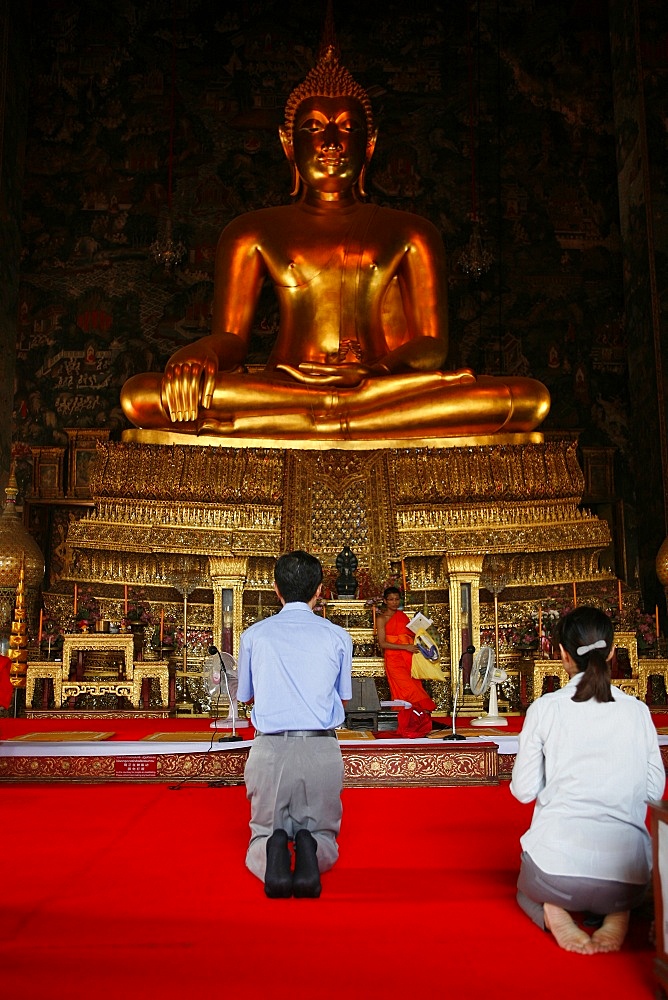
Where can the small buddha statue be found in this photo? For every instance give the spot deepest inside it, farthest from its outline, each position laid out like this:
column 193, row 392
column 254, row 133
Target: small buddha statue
column 346, row 564
column 362, row 293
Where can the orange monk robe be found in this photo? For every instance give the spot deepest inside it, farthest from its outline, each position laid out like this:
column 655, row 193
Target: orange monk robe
column 398, row 665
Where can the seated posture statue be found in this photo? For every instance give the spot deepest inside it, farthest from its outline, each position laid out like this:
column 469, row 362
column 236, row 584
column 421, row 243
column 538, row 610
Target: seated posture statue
column 363, row 309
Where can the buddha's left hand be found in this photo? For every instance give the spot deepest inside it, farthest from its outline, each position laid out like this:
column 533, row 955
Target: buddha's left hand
column 347, row 375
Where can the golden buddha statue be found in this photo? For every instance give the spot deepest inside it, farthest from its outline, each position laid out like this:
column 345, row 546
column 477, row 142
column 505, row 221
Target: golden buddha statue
column 363, row 309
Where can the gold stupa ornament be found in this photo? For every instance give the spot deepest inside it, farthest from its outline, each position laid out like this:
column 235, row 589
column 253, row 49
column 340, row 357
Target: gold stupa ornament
column 17, row 545
column 20, row 556
column 18, row 640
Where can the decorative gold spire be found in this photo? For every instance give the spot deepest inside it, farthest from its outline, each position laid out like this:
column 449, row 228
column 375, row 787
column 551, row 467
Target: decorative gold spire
column 18, row 640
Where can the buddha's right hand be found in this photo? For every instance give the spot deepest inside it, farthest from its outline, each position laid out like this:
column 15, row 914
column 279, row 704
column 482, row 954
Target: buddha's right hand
column 347, row 375
column 187, row 384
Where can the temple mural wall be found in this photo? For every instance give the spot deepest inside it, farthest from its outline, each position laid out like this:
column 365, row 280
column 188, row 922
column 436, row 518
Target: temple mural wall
column 146, row 113
column 639, row 43
column 13, row 98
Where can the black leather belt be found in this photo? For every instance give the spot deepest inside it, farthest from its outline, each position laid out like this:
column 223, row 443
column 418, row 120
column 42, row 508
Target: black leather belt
column 302, row 732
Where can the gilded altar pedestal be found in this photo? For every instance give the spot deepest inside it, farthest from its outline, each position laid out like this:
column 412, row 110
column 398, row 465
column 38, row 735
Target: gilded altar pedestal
column 435, row 512
column 376, row 764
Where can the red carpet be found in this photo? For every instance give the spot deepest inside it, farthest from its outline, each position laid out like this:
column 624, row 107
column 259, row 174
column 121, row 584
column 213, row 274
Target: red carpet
column 133, row 891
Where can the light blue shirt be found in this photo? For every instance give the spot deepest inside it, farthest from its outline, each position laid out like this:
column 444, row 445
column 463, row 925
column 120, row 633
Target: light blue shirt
column 297, row 667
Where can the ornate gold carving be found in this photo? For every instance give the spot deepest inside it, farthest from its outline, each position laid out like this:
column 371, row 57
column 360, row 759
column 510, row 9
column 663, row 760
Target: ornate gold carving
column 397, row 766
column 337, row 498
column 635, row 685
column 223, row 568
column 491, row 474
column 100, row 642
column 128, row 686
column 57, row 768
column 151, row 670
column 629, row 642
column 72, row 689
column 44, row 670
column 628, row 685
column 187, row 474
column 464, row 564
column 370, row 766
column 225, row 514
column 651, row 668
column 547, row 668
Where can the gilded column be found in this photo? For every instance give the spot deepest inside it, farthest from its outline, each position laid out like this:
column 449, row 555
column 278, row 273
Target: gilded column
column 228, row 573
column 464, row 571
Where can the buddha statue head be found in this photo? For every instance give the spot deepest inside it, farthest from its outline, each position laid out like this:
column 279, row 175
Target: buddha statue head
column 328, row 94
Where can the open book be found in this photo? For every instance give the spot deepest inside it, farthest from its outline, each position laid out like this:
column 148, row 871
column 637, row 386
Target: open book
column 419, row 623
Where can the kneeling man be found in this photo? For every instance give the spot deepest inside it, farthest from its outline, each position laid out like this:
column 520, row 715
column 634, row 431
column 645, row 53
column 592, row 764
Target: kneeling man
column 296, row 667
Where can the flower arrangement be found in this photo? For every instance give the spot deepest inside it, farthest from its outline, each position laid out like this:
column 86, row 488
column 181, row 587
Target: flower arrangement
column 538, row 630
column 525, row 636
column 199, row 640
column 168, row 631
column 367, row 586
column 88, row 608
column 329, row 582
column 645, row 629
column 138, row 609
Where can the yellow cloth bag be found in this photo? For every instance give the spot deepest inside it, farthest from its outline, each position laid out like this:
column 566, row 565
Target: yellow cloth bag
column 426, row 666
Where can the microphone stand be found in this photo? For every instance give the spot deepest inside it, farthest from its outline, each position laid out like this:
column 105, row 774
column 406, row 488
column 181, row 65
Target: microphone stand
column 454, row 735
column 233, row 738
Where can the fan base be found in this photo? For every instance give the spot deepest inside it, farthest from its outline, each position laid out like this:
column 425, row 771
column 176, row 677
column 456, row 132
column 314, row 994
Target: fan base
column 489, row 720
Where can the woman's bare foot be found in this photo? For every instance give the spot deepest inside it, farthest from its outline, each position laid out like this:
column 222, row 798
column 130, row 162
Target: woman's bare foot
column 565, row 931
column 611, row 933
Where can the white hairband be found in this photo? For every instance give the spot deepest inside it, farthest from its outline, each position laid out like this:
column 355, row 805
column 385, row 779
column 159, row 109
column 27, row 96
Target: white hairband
column 581, row 650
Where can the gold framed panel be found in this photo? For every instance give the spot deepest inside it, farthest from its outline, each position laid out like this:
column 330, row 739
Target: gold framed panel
column 599, row 476
column 82, row 452
column 47, row 479
column 628, row 641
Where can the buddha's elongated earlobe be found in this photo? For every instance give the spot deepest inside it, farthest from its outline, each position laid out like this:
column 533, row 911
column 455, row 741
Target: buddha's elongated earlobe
column 296, row 179
column 286, row 143
column 370, row 146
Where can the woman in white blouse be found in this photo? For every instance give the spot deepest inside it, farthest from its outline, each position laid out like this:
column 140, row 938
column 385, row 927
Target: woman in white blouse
column 589, row 755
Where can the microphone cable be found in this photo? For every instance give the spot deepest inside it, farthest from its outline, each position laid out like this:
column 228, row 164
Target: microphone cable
column 213, row 651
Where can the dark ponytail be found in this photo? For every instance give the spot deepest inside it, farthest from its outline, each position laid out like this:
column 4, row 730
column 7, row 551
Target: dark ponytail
column 580, row 630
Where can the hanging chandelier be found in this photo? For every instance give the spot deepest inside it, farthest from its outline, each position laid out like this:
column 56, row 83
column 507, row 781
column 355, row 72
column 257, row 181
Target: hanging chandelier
column 165, row 249
column 476, row 258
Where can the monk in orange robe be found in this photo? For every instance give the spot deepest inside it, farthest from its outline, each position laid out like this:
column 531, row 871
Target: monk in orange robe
column 398, row 645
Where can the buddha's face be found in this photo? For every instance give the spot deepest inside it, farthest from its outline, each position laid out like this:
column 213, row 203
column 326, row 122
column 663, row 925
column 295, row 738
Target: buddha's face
column 330, row 142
